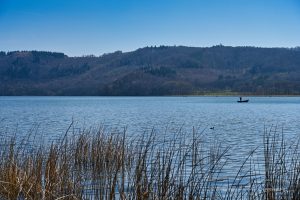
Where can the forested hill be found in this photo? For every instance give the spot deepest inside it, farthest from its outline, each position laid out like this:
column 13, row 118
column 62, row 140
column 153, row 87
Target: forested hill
column 153, row 71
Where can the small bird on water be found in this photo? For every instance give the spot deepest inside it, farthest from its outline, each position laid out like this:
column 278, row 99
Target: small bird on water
column 212, row 128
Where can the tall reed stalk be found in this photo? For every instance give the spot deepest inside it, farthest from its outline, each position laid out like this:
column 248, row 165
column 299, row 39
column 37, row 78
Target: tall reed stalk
column 96, row 164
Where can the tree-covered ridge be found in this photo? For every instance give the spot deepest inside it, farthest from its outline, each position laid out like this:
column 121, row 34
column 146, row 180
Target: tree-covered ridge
column 160, row 70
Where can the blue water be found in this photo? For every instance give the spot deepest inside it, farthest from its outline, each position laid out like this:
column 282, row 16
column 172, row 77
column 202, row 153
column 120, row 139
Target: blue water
column 235, row 124
column 220, row 121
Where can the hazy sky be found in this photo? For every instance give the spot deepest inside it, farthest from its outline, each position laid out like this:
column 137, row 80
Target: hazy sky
column 81, row 27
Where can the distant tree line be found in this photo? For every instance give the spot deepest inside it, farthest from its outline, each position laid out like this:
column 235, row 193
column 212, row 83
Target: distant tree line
column 158, row 70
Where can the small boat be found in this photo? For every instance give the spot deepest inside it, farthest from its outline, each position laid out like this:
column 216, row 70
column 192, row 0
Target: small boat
column 243, row 101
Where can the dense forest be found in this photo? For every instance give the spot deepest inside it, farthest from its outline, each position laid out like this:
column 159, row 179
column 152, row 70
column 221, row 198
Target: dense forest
column 163, row 70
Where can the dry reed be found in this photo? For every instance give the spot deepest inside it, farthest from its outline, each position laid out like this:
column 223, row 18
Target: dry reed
column 100, row 165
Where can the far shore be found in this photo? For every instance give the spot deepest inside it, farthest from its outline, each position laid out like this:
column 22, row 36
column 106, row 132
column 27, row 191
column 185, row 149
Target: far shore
column 188, row 95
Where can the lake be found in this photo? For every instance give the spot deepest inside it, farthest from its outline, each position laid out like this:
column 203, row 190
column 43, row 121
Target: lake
column 221, row 121
column 239, row 125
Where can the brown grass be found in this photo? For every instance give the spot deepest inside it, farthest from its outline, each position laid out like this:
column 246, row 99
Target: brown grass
column 100, row 165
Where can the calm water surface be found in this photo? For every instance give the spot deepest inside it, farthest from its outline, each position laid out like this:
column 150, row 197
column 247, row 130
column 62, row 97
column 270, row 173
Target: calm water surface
column 238, row 126
column 235, row 124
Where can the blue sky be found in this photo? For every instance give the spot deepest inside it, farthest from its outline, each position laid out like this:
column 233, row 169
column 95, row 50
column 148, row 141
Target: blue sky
column 82, row 27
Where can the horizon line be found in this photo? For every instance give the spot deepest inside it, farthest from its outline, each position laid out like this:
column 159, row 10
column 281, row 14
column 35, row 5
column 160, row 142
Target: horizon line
column 152, row 46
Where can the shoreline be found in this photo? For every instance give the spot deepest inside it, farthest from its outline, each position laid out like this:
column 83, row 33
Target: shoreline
column 204, row 95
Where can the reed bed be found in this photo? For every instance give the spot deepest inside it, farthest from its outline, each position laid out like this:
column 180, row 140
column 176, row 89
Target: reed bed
column 97, row 164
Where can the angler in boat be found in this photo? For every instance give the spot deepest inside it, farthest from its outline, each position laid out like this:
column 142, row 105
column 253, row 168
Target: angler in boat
column 243, row 101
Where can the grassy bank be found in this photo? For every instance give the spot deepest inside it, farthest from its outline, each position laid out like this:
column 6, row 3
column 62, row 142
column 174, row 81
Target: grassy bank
column 95, row 164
